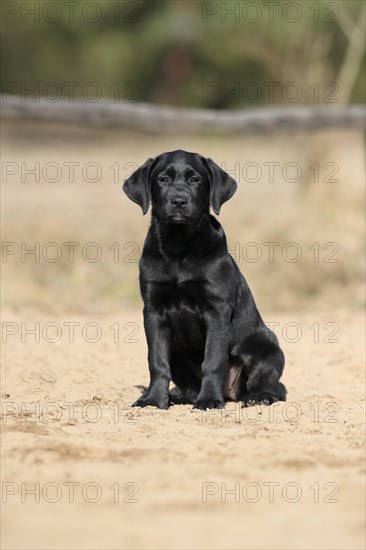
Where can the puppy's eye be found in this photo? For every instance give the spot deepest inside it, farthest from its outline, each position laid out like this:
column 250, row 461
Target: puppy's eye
column 194, row 179
column 163, row 179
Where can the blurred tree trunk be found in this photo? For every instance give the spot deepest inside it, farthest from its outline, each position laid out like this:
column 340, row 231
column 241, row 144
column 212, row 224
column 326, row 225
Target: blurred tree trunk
column 355, row 34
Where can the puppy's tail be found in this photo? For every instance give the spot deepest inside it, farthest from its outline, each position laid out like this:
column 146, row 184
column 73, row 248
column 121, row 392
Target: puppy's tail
column 282, row 392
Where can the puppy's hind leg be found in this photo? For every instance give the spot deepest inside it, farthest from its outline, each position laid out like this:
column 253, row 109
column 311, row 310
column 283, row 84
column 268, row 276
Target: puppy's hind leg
column 264, row 366
column 186, row 377
column 185, row 396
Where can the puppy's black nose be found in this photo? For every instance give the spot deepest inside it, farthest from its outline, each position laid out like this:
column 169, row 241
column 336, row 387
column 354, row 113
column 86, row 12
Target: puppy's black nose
column 179, row 202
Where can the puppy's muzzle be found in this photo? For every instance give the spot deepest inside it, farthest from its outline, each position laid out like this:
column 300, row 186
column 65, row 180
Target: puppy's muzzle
column 179, row 202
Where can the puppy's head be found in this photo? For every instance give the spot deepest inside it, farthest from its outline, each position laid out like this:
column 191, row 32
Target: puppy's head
column 180, row 185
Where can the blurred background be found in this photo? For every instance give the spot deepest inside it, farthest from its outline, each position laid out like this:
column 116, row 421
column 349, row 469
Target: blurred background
column 71, row 241
column 167, row 50
column 62, row 182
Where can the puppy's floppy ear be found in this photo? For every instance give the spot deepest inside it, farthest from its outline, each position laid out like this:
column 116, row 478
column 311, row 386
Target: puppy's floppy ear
column 137, row 187
column 222, row 186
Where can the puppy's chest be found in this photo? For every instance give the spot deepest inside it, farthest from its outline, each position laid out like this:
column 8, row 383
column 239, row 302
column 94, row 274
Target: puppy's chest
column 178, row 294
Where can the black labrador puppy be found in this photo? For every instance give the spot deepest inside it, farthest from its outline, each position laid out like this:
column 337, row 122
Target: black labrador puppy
column 202, row 326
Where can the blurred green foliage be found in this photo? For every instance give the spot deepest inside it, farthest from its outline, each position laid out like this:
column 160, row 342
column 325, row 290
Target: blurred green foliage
column 191, row 53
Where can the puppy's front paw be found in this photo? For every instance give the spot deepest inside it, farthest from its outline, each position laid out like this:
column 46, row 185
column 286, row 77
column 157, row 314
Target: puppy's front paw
column 209, row 403
column 160, row 402
column 258, row 398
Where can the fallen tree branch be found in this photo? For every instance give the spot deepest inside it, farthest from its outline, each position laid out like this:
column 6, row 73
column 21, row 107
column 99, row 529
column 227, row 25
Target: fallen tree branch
column 161, row 119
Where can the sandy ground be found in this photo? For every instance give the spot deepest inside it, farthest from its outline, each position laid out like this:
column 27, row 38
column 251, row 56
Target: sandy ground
column 81, row 469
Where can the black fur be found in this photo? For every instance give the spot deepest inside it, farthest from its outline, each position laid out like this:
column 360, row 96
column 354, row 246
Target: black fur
column 202, row 326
